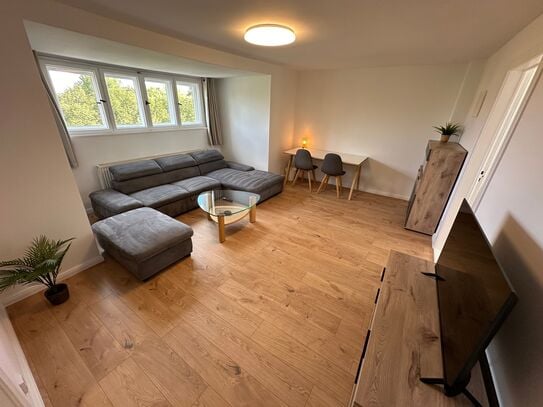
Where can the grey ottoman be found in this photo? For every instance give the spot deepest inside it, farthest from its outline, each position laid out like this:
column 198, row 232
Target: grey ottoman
column 144, row 240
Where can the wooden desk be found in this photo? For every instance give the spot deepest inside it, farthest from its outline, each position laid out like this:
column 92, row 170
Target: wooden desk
column 348, row 159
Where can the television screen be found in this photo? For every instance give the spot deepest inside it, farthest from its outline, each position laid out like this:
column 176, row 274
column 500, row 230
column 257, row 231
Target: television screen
column 474, row 298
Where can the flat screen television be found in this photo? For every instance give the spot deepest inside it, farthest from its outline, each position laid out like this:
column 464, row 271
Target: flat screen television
column 474, row 297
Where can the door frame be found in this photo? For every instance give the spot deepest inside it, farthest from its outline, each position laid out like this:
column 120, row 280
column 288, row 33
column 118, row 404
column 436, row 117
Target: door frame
column 502, row 120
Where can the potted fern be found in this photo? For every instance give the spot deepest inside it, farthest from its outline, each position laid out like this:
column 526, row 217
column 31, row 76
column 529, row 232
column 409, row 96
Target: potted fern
column 40, row 265
column 448, row 130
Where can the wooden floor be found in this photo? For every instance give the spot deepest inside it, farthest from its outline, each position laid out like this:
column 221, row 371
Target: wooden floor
column 274, row 316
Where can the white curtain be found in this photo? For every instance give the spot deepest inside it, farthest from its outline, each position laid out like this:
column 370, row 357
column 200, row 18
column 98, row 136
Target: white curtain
column 62, row 129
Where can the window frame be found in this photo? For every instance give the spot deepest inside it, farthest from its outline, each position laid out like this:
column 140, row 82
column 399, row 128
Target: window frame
column 198, row 103
column 100, row 97
column 172, row 99
column 140, row 96
column 100, row 70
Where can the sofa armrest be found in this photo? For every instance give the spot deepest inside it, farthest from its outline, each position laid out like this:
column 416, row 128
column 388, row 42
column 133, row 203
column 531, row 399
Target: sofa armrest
column 238, row 166
column 108, row 202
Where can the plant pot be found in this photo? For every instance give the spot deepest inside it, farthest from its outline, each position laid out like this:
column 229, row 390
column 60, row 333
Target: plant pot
column 445, row 138
column 57, row 294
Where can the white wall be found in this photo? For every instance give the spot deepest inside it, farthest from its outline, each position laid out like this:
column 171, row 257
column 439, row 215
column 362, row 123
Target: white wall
column 244, row 104
column 39, row 194
column 283, row 105
column 386, row 113
column 93, row 150
column 524, row 46
column 511, row 215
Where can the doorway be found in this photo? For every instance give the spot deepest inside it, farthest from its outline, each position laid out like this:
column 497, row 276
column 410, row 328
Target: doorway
column 502, row 120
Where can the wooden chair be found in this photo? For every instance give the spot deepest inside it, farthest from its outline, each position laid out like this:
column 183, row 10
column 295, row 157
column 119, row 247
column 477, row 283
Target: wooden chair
column 332, row 166
column 304, row 164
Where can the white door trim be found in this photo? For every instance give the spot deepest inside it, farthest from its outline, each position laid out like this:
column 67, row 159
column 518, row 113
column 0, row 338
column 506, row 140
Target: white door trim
column 502, row 120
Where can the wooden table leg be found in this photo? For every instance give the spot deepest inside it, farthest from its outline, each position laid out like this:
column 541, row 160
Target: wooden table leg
column 252, row 214
column 222, row 236
column 209, row 216
column 289, row 166
column 356, row 178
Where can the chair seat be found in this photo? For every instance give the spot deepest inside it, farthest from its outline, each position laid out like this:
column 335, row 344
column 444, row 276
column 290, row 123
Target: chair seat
column 307, row 169
column 337, row 174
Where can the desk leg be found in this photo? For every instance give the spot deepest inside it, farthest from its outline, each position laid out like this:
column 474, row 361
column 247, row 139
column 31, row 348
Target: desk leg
column 289, row 166
column 252, row 214
column 356, row 179
column 222, row 236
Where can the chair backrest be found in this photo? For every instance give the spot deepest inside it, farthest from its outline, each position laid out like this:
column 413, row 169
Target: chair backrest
column 302, row 160
column 332, row 164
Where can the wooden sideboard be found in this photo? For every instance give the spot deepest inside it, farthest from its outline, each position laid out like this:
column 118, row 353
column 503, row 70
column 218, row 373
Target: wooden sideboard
column 403, row 342
column 435, row 180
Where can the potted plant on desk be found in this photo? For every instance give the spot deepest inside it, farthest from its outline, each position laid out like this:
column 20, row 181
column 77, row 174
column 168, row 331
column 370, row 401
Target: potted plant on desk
column 448, row 130
column 40, row 265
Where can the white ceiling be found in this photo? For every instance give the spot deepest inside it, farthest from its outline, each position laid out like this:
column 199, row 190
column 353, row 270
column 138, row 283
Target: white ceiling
column 336, row 33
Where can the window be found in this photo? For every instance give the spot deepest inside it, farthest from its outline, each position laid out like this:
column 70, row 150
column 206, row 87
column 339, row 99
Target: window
column 105, row 99
column 188, row 96
column 160, row 101
column 78, row 96
column 125, row 100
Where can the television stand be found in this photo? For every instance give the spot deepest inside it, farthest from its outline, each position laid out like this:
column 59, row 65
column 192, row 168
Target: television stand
column 403, row 343
column 464, row 391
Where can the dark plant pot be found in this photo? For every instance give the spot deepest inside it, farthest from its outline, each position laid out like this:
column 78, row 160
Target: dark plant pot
column 57, row 294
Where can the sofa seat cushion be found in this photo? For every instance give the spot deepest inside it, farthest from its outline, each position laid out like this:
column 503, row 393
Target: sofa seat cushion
column 197, row 185
column 251, row 181
column 123, row 172
column 161, row 195
column 108, row 202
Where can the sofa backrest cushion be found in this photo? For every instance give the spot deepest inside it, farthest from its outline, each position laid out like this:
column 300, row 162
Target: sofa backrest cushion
column 209, row 160
column 137, row 184
column 175, row 162
column 136, row 169
column 205, row 156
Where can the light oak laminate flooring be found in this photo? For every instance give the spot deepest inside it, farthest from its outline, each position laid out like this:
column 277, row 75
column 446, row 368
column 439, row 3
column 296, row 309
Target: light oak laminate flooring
column 274, row 316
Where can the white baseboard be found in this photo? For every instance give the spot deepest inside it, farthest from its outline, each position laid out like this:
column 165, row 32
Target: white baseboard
column 385, row 193
column 16, row 294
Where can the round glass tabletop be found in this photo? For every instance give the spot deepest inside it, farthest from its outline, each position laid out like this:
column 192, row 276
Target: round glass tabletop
column 226, row 202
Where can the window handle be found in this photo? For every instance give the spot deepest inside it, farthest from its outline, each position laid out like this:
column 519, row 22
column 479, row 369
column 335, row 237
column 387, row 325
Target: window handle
column 147, row 102
column 101, row 101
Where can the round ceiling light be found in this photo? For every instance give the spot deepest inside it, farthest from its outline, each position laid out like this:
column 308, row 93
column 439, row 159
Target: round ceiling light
column 269, row 35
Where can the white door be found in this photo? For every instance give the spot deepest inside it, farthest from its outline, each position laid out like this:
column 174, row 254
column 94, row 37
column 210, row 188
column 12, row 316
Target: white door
column 501, row 122
column 17, row 386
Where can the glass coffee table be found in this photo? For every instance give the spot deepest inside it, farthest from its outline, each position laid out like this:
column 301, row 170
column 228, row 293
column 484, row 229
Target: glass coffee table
column 228, row 206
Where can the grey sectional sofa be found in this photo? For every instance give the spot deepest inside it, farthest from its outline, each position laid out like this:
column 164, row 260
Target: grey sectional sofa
column 172, row 184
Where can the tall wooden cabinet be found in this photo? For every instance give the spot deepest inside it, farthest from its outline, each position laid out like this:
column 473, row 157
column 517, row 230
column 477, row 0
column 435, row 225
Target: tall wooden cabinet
column 435, row 180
